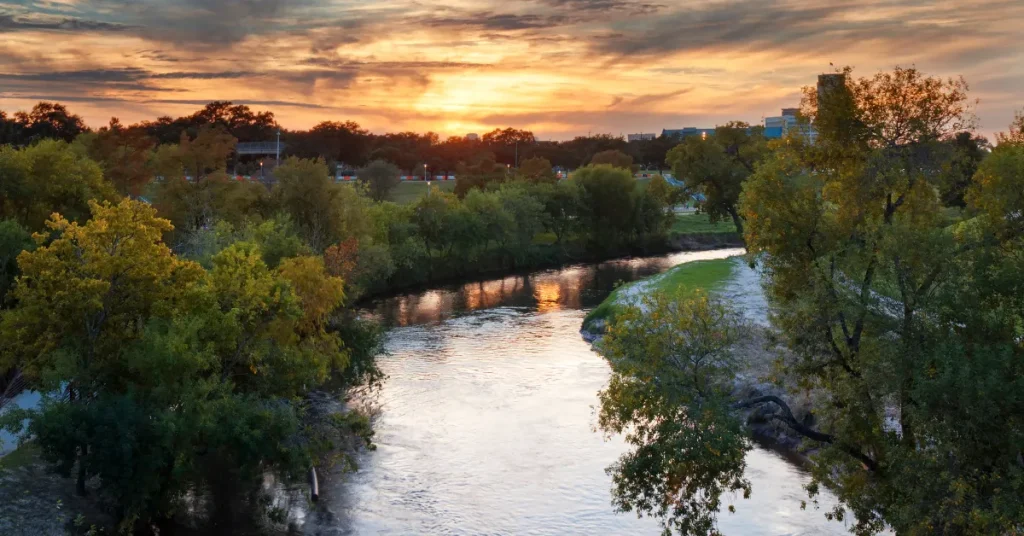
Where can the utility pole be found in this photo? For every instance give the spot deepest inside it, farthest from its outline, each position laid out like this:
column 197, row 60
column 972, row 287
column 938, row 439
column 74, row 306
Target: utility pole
column 517, row 154
column 278, row 163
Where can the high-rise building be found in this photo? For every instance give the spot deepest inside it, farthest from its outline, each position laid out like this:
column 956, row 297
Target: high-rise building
column 641, row 137
column 472, row 137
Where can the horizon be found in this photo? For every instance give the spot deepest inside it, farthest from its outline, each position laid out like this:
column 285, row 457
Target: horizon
column 559, row 68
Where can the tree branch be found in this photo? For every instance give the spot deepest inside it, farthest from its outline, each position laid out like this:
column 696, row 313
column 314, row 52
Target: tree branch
column 787, row 418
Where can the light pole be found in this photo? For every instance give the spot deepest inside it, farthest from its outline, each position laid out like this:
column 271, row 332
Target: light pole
column 278, row 155
column 424, row 172
column 261, row 170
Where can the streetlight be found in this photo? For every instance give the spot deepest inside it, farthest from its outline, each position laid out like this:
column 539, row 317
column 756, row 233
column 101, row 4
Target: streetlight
column 424, row 172
column 261, row 170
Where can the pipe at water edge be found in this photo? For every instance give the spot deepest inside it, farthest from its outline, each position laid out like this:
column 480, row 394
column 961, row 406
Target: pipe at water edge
column 314, row 486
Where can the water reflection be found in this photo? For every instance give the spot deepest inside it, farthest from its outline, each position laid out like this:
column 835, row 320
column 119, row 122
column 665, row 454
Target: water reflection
column 488, row 425
column 576, row 287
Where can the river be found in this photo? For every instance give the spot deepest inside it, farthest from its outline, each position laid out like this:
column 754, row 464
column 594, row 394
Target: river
column 487, row 422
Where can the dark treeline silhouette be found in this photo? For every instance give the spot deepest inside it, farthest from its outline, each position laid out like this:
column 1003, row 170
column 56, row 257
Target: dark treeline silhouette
column 343, row 144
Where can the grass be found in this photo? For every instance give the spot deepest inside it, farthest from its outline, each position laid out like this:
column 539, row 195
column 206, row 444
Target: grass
column 410, row 191
column 679, row 282
column 700, row 224
column 26, row 454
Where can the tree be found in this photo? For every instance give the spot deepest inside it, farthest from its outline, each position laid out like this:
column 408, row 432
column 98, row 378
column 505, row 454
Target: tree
column 13, row 240
column 563, row 206
column 195, row 190
column 49, row 121
column 381, row 178
column 334, row 141
column 124, row 154
column 881, row 302
column 324, row 211
column 669, row 394
column 716, row 167
column 478, row 176
column 607, row 198
column 968, row 150
column 613, row 158
column 1016, row 132
column 47, row 177
column 184, row 385
column 537, row 169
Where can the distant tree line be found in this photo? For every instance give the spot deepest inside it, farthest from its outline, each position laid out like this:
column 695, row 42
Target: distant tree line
column 343, row 143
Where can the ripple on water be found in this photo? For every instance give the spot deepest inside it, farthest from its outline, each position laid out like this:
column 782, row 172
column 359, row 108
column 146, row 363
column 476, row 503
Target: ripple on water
column 488, row 425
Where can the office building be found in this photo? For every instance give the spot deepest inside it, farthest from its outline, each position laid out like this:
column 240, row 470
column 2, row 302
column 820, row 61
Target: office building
column 687, row 132
column 641, row 137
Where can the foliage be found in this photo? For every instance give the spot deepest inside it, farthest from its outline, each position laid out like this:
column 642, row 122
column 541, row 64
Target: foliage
column 182, row 384
column 608, row 194
column 1015, row 135
column 124, row 154
column 716, row 167
column 47, row 177
column 537, row 169
column 889, row 311
column 381, row 178
column 614, row 158
column 13, row 240
column 669, row 396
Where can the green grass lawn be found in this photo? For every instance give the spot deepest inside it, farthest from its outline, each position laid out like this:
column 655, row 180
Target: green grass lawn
column 25, row 454
column 700, row 224
column 679, row 282
column 410, row 191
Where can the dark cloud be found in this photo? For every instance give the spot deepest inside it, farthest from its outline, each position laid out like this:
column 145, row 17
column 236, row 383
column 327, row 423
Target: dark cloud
column 499, row 22
column 629, row 7
column 204, row 102
column 652, row 98
column 13, row 23
column 800, row 27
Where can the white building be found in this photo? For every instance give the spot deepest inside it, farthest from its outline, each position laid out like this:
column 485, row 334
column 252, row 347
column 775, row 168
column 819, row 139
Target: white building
column 472, row 137
column 640, row 137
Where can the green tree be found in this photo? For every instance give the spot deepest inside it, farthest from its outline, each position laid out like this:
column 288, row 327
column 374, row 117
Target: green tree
column 13, row 240
column 607, row 196
column 882, row 305
column 563, row 206
column 613, row 158
column 537, row 169
column 381, row 178
column 669, row 394
column 124, row 154
column 717, row 166
column 47, row 177
column 325, row 212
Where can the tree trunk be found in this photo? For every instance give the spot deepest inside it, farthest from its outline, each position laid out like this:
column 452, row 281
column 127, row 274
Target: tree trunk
column 80, row 481
column 736, row 219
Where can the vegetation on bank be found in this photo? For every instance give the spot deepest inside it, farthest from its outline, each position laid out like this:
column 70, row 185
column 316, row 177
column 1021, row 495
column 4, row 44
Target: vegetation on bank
column 700, row 223
column 678, row 283
column 906, row 325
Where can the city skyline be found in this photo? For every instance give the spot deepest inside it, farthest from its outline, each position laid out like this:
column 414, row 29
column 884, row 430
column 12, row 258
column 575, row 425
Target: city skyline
column 560, row 68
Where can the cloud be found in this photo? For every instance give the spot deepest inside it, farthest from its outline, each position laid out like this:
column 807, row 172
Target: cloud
column 558, row 65
column 13, row 23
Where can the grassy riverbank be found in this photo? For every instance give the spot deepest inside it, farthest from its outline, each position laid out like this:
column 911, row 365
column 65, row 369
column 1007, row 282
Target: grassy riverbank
column 678, row 281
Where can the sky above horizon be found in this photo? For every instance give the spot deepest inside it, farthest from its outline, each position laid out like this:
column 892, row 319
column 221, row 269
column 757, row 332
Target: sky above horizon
column 557, row 67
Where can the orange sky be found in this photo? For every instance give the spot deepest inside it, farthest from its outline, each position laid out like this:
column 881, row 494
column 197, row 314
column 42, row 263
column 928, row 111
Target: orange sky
column 557, row 67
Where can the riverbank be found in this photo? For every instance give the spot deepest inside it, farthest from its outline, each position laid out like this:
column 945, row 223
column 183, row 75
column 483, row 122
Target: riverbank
column 555, row 257
column 738, row 285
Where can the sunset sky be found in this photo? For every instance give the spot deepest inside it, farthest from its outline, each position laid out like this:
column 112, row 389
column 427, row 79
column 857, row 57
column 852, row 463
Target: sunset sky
column 557, row 67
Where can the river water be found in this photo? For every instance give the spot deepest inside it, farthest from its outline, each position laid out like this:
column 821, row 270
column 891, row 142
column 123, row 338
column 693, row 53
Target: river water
column 487, row 422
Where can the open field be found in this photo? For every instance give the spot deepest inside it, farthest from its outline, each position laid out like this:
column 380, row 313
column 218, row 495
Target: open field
column 410, row 191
